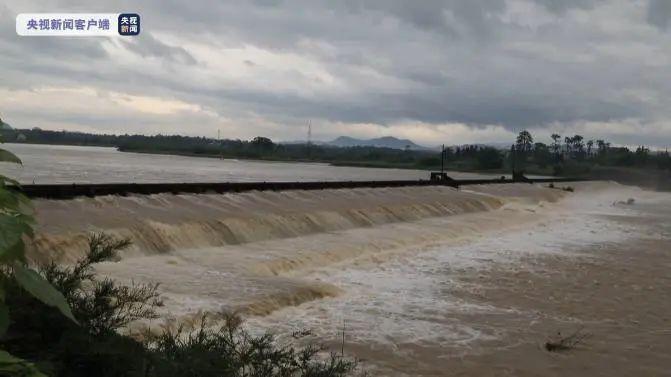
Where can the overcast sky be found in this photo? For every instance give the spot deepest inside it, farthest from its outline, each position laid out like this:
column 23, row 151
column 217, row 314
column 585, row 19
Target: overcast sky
column 452, row 71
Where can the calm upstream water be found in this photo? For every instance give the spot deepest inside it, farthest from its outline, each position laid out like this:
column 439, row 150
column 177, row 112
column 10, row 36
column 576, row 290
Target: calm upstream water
column 72, row 164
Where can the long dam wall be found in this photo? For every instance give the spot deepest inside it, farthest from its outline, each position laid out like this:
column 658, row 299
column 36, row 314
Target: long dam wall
column 164, row 222
column 69, row 191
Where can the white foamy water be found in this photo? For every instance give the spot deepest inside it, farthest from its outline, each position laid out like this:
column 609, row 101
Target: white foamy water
column 403, row 300
column 378, row 261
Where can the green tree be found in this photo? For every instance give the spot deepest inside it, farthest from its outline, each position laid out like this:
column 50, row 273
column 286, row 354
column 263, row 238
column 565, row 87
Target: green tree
column 524, row 142
column 556, row 143
column 541, row 155
column 16, row 222
column 568, row 142
column 642, row 155
column 489, row 158
column 578, row 146
column 262, row 142
column 520, row 151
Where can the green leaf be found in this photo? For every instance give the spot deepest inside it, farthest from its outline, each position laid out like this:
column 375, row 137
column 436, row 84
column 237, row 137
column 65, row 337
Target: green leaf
column 13, row 254
column 12, row 228
column 4, row 318
column 8, row 199
column 14, row 366
column 41, row 289
column 5, row 180
column 13, row 200
column 7, row 156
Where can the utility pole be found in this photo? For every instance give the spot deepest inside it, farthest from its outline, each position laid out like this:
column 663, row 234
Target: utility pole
column 442, row 160
column 309, row 144
column 221, row 151
column 513, row 151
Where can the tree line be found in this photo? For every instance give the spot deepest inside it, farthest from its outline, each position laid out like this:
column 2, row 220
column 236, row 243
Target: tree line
column 467, row 157
column 562, row 155
column 576, row 150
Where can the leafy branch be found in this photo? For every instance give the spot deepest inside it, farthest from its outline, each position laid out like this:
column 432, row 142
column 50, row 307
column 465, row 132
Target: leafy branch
column 16, row 225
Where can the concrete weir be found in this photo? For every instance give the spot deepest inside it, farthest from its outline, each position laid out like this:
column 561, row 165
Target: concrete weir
column 69, row 191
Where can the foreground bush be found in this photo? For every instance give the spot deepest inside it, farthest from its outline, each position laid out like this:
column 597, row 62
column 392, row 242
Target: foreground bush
column 57, row 346
column 16, row 225
column 230, row 351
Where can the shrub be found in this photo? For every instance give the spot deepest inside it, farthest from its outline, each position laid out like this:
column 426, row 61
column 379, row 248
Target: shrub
column 101, row 306
column 59, row 347
column 16, row 222
column 230, row 351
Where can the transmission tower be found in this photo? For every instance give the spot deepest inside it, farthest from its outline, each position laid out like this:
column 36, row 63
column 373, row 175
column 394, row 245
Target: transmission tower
column 309, row 144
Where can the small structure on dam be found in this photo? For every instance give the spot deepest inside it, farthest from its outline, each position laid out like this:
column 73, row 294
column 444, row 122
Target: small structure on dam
column 442, row 177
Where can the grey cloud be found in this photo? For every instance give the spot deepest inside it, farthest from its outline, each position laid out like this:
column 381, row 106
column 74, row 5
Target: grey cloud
column 24, row 48
column 146, row 45
column 659, row 13
column 561, row 6
column 394, row 60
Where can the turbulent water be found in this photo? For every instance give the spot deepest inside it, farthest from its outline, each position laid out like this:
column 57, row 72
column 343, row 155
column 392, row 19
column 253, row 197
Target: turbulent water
column 254, row 252
column 379, row 265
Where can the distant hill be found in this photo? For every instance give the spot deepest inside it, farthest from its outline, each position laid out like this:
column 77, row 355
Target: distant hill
column 381, row 142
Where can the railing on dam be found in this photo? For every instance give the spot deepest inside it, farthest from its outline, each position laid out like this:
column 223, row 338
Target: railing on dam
column 69, row 191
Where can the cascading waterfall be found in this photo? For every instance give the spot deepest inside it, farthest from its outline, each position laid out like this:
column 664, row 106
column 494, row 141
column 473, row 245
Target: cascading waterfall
column 164, row 223
column 247, row 252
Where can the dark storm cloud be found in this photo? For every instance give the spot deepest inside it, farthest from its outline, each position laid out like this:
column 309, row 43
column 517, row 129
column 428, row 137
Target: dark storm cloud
column 515, row 63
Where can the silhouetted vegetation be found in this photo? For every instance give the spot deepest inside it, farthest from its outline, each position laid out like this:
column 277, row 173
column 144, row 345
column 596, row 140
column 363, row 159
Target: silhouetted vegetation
column 44, row 338
column 567, row 156
column 575, row 152
column 16, row 276
column 591, row 158
column 466, row 158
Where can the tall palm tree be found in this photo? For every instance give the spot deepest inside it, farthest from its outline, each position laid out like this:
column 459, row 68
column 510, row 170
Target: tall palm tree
column 578, row 146
column 590, row 144
column 524, row 141
column 555, row 143
column 601, row 145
